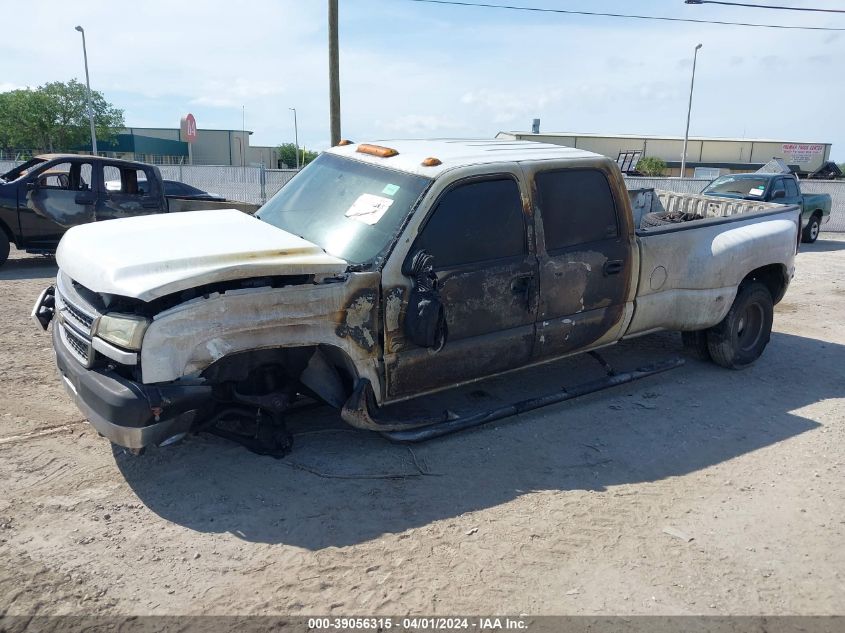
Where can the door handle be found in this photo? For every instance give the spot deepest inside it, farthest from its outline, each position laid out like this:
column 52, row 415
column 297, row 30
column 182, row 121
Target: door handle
column 522, row 283
column 521, row 287
column 612, row 267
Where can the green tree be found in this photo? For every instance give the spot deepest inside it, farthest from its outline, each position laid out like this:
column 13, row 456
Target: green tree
column 651, row 166
column 54, row 117
column 842, row 167
column 287, row 155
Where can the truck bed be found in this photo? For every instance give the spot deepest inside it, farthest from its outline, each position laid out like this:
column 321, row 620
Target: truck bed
column 689, row 272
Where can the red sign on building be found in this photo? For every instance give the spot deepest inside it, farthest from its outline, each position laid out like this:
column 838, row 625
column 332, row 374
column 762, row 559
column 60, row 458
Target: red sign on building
column 188, row 128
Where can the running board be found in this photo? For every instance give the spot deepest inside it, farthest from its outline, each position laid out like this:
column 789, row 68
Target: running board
column 362, row 412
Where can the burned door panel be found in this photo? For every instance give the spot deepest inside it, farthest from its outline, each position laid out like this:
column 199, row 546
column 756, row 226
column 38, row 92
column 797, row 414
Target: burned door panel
column 585, row 263
column 486, row 280
column 55, row 199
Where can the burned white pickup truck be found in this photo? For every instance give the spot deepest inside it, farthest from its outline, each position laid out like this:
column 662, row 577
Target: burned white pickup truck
column 386, row 272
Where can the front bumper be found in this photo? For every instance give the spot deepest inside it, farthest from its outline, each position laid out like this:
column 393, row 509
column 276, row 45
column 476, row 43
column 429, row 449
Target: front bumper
column 128, row 413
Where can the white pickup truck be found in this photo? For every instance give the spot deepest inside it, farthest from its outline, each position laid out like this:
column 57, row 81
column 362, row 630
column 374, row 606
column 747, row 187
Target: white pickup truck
column 385, row 272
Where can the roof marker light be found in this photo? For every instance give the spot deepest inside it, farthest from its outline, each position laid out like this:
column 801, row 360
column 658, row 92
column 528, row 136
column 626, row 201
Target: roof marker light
column 376, row 150
column 431, row 162
column 344, row 141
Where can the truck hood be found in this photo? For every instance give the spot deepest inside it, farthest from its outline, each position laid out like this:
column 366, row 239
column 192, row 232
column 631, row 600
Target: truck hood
column 155, row 255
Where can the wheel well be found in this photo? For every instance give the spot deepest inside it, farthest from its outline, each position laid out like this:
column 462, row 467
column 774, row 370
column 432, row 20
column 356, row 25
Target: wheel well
column 324, row 370
column 774, row 277
column 7, row 231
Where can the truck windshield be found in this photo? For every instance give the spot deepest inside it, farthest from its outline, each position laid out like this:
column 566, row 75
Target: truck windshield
column 350, row 209
column 22, row 170
column 737, row 187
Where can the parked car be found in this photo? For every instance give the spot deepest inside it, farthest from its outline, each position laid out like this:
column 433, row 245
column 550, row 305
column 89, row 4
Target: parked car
column 175, row 189
column 386, row 272
column 780, row 188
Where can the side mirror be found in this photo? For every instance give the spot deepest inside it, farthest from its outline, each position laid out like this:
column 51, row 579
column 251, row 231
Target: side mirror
column 425, row 318
column 780, row 193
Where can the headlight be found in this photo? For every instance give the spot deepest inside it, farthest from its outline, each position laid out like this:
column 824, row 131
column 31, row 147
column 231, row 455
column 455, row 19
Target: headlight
column 124, row 330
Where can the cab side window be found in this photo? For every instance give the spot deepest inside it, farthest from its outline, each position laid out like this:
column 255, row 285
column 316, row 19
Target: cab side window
column 791, row 188
column 125, row 180
column 66, row 177
column 475, row 222
column 577, row 207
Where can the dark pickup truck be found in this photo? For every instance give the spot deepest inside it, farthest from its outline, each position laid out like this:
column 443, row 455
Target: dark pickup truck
column 49, row 194
column 778, row 188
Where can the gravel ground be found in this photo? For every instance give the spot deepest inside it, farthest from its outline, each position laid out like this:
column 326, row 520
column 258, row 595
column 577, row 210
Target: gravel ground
column 698, row 491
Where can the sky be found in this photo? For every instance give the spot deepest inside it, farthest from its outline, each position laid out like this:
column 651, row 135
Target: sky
column 415, row 70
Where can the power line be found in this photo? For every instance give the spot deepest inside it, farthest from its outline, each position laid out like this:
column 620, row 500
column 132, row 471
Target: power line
column 624, row 15
column 764, row 6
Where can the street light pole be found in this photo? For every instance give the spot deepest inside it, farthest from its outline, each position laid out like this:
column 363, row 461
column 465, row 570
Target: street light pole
column 295, row 136
column 88, row 85
column 689, row 111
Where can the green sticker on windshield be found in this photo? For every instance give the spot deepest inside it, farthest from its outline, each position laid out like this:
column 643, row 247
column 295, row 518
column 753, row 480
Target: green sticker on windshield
column 390, row 189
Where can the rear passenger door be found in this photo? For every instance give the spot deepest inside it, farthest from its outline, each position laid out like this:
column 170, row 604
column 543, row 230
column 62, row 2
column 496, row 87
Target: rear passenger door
column 127, row 191
column 487, row 277
column 585, row 259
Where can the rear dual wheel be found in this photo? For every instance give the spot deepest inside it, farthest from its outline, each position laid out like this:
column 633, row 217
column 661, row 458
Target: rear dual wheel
column 740, row 338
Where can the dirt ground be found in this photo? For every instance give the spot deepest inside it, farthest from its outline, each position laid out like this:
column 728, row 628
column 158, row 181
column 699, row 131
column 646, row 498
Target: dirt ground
column 698, row 491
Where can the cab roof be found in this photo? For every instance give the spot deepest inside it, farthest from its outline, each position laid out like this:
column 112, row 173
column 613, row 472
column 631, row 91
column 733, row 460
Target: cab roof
column 454, row 153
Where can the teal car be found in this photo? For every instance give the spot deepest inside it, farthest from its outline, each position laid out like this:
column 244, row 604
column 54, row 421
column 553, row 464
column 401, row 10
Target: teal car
column 778, row 188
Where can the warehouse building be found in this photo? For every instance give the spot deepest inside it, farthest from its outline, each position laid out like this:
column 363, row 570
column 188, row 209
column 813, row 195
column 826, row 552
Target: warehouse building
column 163, row 146
column 706, row 157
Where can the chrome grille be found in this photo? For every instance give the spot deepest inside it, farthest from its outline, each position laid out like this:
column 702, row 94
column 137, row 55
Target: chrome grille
column 78, row 346
column 76, row 321
column 81, row 318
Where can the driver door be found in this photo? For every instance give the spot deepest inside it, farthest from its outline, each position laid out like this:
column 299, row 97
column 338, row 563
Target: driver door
column 476, row 234
column 56, row 198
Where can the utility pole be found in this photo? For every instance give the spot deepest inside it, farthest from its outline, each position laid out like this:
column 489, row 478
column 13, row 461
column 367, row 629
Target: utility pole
column 88, row 85
column 334, row 75
column 295, row 136
column 689, row 111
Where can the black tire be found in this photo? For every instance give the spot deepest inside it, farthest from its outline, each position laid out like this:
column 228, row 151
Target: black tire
column 4, row 247
column 696, row 343
column 811, row 232
column 663, row 218
column 740, row 338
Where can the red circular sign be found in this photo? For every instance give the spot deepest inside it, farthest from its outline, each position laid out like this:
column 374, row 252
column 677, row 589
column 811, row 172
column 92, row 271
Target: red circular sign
column 188, row 128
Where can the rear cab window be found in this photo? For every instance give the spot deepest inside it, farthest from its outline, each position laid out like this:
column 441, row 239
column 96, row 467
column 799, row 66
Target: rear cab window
column 577, row 207
column 127, row 180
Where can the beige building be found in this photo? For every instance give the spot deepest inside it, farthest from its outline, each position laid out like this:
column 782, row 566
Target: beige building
column 725, row 154
column 212, row 147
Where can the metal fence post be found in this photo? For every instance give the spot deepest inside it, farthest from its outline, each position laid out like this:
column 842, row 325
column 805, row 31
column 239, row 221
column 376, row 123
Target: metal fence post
column 262, row 176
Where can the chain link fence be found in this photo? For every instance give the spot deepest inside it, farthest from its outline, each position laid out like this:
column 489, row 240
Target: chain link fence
column 256, row 185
